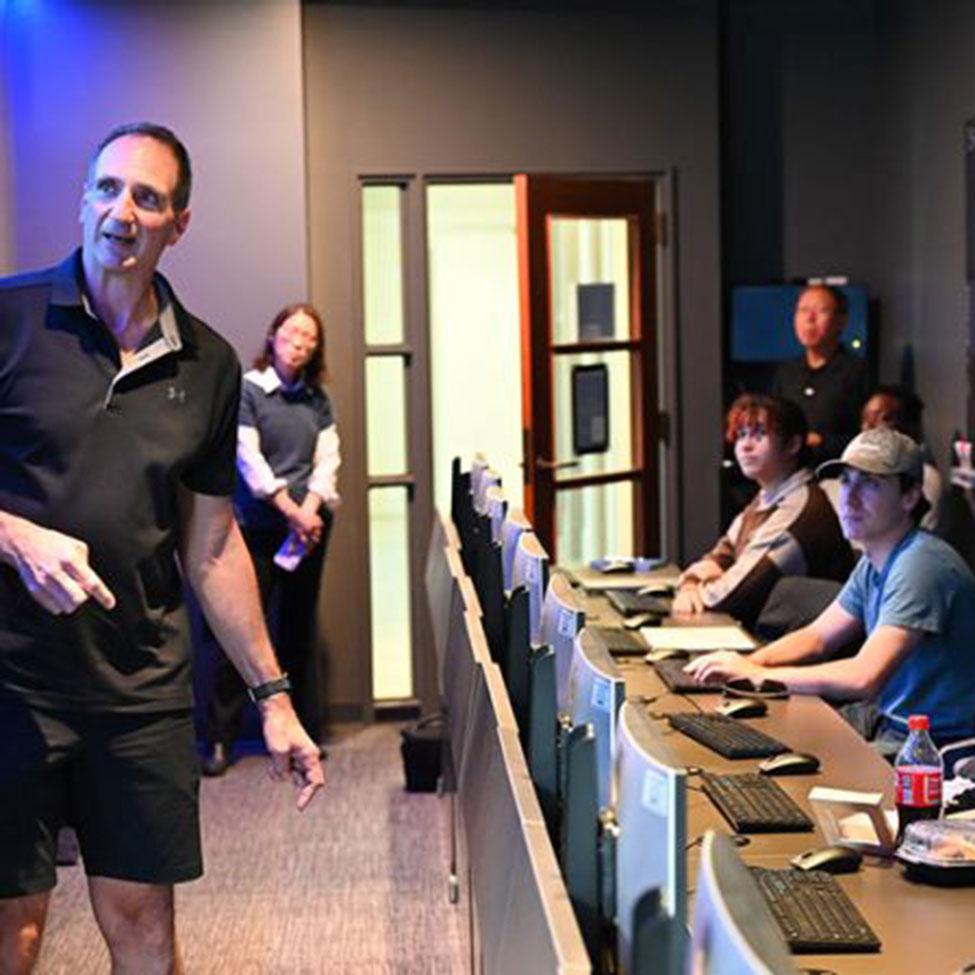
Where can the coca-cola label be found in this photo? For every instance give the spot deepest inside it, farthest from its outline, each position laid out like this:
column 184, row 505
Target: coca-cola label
column 918, row 787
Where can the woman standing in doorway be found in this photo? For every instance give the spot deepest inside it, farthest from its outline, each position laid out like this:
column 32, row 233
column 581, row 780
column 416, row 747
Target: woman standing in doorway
column 287, row 459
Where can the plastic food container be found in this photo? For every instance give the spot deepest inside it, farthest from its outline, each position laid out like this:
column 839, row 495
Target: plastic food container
column 940, row 852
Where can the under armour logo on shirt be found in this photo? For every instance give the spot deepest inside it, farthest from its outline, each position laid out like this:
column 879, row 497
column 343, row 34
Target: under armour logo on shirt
column 176, row 394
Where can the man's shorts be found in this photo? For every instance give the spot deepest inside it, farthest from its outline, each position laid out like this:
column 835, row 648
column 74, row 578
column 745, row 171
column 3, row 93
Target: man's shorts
column 127, row 783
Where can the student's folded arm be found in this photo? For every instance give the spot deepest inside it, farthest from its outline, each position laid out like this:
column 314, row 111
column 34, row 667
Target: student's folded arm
column 771, row 552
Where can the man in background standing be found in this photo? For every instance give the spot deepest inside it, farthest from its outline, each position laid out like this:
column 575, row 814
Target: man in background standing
column 827, row 383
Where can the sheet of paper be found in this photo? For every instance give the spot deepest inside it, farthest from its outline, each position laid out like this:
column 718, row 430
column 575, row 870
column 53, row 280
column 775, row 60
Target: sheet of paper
column 697, row 638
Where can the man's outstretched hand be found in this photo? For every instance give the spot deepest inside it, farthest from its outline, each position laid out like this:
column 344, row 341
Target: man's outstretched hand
column 53, row 567
column 292, row 751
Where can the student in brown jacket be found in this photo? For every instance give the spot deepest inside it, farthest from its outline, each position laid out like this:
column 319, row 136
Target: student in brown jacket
column 788, row 529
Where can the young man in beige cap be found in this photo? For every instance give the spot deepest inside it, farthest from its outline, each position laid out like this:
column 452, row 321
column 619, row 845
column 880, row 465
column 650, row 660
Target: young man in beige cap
column 911, row 596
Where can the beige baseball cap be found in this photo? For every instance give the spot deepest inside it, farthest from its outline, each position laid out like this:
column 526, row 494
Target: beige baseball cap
column 878, row 451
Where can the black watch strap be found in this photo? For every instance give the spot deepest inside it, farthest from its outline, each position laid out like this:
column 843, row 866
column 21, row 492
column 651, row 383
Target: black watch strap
column 280, row 685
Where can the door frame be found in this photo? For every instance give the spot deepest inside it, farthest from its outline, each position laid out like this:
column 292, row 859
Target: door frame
column 419, row 399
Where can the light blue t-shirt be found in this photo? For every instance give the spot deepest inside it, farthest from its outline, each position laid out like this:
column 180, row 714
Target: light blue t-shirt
column 924, row 586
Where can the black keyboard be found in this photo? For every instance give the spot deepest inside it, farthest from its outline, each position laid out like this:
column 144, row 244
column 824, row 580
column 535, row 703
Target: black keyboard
column 753, row 803
column 623, row 643
column 629, row 602
column 671, row 672
column 726, row 736
column 813, row 912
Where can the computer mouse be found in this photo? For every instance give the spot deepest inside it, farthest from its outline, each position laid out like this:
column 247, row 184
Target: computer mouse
column 832, row 859
column 641, row 620
column 743, row 708
column 789, row 763
column 666, row 653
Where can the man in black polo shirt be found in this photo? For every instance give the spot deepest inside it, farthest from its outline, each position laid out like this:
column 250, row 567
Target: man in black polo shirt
column 118, row 419
column 827, row 383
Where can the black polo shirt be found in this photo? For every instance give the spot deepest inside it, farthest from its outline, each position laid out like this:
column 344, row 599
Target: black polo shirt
column 99, row 452
column 830, row 397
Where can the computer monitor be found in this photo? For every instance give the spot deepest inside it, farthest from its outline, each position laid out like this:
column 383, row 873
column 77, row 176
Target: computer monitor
column 596, row 693
column 734, row 932
column 516, row 660
column 496, row 509
column 490, row 478
column 515, row 523
column 561, row 619
column 651, row 816
column 542, row 745
column 530, row 570
column 479, row 465
column 490, row 588
column 579, row 840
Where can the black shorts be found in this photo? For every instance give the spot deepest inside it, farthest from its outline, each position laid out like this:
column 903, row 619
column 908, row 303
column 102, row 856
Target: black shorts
column 127, row 783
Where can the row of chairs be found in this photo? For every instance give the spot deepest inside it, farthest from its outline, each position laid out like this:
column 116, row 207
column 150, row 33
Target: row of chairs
column 611, row 796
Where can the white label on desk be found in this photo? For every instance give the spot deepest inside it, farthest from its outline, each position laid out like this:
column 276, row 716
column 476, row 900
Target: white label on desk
column 654, row 795
column 567, row 623
column 600, row 694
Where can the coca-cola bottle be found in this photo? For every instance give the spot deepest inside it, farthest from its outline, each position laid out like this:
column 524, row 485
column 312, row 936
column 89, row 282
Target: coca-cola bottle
column 919, row 769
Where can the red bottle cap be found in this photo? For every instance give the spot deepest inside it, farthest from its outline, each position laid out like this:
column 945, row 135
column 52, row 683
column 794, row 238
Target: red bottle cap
column 919, row 722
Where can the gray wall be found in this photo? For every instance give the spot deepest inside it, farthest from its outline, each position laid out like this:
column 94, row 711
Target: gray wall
column 227, row 77
column 499, row 91
column 801, row 131
column 928, row 78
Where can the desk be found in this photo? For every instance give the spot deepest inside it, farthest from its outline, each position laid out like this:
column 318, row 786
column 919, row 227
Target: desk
column 924, row 930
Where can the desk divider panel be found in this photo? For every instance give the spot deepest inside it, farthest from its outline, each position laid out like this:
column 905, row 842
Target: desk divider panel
column 522, row 913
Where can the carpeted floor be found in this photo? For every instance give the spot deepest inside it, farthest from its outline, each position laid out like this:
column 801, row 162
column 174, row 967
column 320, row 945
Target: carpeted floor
column 358, row 884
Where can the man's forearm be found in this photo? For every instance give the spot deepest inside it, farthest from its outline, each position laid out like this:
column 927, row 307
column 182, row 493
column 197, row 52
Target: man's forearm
column 842, row 680
column 226, row 587
column 802, row 646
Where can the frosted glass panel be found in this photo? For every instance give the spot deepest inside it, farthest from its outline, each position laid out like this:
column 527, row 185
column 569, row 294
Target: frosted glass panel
column 474, row 332
column 382, row 264
column 385, row 412
column 389, row 577
column 589, row 252
column 594, row 521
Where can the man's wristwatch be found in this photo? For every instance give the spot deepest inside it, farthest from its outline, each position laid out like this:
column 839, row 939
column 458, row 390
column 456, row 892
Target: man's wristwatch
column 280, row 685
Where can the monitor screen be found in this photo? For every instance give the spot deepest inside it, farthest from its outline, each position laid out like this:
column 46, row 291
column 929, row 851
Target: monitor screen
column 761, row 322
column 596, row 693
column 562, row 619
column 651, row 814
column 515, row 523
column 489, row 479
column 530, row 569
column 734, row 932
column 497, row 507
